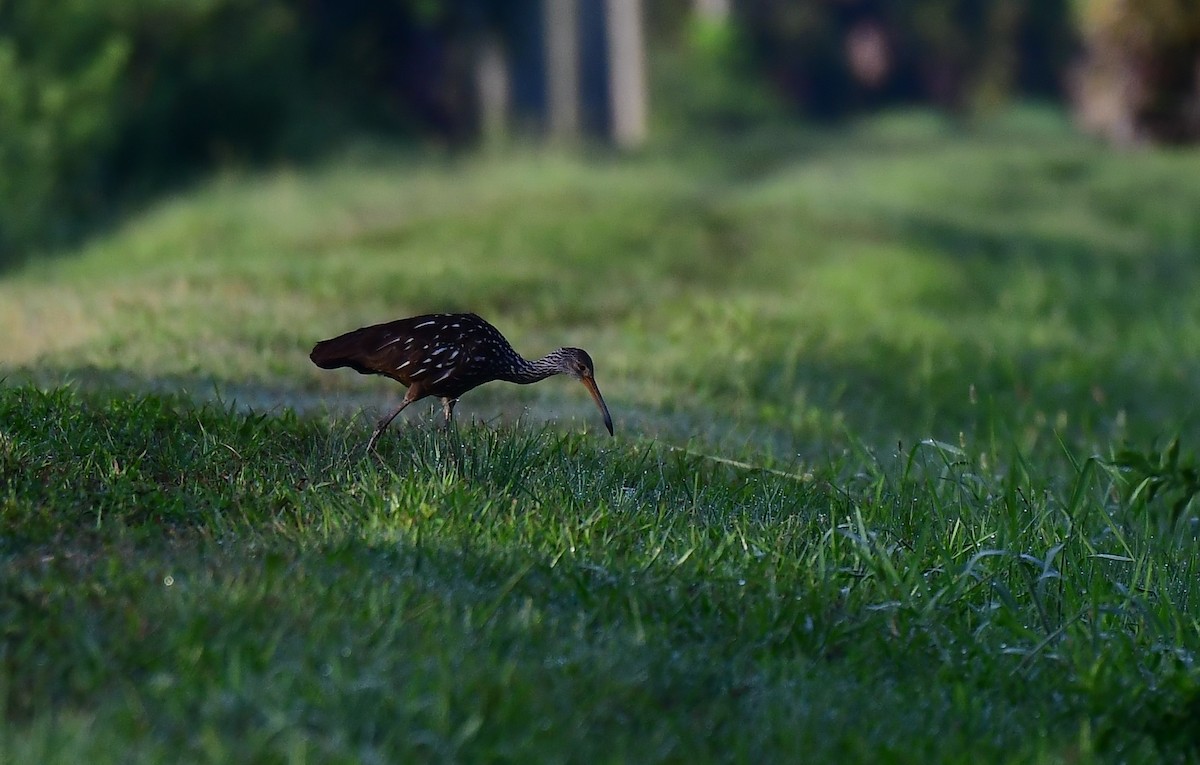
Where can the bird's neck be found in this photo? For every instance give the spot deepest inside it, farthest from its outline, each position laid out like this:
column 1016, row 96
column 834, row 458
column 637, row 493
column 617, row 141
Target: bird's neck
column 526, row 372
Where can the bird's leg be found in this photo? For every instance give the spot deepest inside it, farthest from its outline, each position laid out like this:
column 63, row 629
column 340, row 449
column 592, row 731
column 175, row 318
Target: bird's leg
column 453, row 445
column 382, row 426
column 448, row 410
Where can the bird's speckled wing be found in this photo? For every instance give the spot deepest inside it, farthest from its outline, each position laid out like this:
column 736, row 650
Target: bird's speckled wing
column 446, row 354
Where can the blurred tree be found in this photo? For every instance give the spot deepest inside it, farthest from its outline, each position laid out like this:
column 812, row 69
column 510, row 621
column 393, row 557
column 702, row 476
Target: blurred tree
column 713, row 11
column 626, row 71
column 561, row 22
column 493, row 97
column 1140, row 77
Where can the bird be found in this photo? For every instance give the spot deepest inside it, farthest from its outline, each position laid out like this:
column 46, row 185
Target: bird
column 445, row 355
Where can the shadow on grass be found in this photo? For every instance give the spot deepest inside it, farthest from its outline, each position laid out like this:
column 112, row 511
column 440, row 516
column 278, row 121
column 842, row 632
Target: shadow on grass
column 396, row 647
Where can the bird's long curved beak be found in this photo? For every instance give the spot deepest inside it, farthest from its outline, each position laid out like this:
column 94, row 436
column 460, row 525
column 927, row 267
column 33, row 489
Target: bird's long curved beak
column 590, row 384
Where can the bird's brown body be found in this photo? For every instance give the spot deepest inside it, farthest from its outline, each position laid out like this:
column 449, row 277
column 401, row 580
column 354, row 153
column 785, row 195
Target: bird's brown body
column 446, row 355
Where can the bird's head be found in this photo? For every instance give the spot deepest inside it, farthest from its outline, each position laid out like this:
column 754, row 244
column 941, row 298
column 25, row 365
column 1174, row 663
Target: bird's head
column 578, row 364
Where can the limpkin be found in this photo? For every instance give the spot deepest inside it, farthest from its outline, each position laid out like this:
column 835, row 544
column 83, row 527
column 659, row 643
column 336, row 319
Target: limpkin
column 446, row 355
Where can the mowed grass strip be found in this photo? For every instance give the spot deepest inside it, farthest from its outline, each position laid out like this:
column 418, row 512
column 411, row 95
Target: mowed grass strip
column 898, row 280
column 190, row 581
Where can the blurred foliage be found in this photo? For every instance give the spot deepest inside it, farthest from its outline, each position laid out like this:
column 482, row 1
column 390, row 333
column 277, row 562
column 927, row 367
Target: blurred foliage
column 101, row 102
column 834, row 57
column 93, row 95
column 1147, row 474
column 710, row 84
column 58, row 105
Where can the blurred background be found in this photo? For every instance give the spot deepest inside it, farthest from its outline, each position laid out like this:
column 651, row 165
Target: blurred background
column 105, row 104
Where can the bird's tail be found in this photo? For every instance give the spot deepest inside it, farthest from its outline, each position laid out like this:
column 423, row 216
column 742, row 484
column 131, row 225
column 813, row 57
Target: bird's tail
column 341, row 351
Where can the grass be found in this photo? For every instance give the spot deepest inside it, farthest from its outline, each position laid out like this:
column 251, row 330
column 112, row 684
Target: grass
column 861, row 505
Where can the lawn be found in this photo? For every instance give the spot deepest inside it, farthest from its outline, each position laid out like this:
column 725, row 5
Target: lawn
column 890, row 402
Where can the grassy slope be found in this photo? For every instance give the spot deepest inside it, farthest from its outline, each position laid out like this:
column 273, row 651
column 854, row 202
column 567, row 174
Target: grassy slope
column 239, row 586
